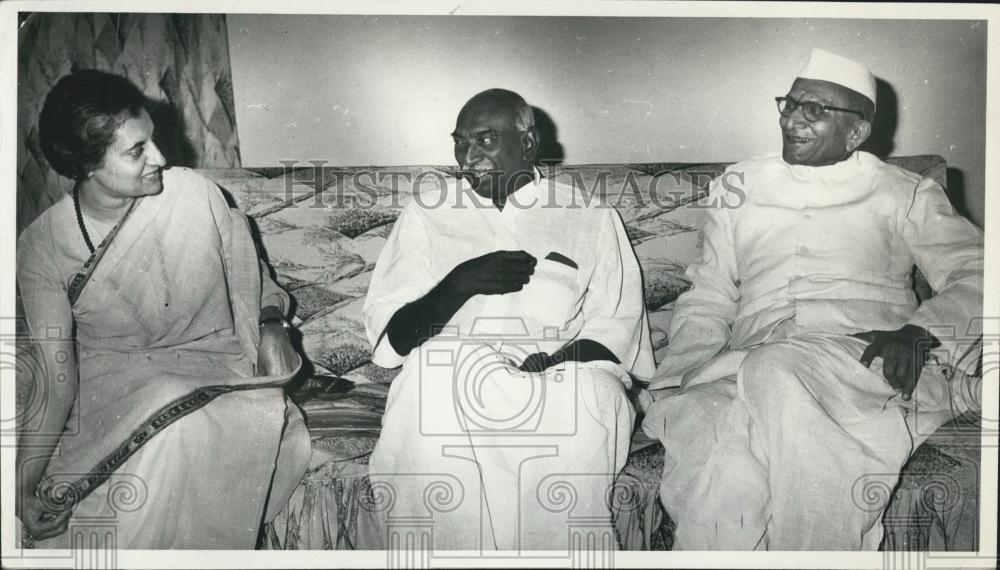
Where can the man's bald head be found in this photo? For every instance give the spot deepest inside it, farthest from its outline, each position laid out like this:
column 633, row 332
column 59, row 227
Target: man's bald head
column 496, row 142
column 504, row 100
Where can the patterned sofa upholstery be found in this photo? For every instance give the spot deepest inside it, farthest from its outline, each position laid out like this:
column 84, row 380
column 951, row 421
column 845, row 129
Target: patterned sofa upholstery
column 322, row 229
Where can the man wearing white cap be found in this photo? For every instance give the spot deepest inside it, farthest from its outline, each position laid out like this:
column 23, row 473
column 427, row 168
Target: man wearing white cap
column 798, row 349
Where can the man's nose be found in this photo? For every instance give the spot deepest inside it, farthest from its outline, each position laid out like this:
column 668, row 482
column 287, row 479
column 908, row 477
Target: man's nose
column 472, row 153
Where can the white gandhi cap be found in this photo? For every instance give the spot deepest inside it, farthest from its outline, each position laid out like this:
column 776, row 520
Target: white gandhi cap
column 826, row 66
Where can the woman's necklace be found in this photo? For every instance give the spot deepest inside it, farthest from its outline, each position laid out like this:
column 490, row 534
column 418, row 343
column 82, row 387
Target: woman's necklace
column 79, row 219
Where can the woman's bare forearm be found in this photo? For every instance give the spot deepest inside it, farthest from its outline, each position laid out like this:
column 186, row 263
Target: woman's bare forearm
column 41, row 426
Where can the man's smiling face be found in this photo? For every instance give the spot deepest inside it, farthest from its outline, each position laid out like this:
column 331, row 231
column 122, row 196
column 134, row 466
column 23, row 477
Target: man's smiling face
column 490, row 148
column 829, row 139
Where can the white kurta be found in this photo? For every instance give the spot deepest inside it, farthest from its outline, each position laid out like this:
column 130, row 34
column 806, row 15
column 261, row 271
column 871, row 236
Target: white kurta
column 777, row 427
column 476, row 454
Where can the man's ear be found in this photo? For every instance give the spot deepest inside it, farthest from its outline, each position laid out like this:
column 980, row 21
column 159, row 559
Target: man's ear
column 529, row 144
column 859, row 134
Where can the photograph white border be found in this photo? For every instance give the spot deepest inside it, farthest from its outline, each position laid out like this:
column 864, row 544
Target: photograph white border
column 986, row 557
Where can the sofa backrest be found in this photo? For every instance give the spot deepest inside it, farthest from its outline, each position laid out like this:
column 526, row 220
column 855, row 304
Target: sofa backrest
column 322, row 229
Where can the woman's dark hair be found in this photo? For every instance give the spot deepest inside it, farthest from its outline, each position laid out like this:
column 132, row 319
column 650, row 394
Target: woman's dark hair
column 80, row 117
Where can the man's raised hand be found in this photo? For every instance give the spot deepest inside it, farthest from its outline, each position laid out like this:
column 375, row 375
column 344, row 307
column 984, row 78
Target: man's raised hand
column 491, row 274
column 495, row 273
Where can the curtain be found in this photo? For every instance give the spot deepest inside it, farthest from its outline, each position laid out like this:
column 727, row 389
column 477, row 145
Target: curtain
column 180, row 61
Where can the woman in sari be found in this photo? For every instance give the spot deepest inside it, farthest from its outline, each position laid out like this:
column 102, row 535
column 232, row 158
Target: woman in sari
column 161, row 342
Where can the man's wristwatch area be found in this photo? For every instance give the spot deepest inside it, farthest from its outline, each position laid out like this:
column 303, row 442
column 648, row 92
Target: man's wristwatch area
column 284, row 323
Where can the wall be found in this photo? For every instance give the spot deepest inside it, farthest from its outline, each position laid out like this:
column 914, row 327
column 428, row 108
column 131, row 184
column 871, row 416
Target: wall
column 356, row 90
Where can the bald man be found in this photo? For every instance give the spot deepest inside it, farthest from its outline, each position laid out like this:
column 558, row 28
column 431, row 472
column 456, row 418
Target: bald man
column 800, row 350
column 516, row 314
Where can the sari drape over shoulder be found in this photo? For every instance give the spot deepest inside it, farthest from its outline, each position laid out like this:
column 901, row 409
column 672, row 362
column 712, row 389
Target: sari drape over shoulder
column 168, row 401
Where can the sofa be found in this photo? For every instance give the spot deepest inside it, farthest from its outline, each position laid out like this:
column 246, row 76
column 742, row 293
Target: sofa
column 321, row 228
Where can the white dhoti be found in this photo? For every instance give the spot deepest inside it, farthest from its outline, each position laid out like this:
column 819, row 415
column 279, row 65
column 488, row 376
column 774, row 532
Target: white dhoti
column 481, row 456
column 797, row 449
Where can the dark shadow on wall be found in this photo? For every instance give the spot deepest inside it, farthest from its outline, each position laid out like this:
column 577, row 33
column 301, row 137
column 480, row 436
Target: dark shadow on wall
column 881, row 143
column 169, row 134
column 956, row 191
column 550, row 150
column 882, row 140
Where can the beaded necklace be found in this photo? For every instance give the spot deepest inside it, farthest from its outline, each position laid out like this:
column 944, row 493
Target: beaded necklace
column 79, row 219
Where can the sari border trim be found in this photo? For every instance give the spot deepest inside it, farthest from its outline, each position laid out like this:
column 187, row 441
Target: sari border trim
column 81, row 279
column 63, row 495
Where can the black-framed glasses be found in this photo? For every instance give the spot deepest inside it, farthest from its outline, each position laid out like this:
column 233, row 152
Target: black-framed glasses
column 811, row 110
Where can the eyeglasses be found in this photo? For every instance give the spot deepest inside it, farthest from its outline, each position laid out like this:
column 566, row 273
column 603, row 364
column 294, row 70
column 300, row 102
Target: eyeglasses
column 811, row 110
